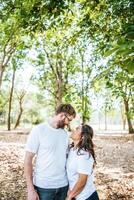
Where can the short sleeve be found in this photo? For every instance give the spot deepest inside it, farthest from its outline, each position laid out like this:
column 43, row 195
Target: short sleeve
column 32, row 144
column 85, row 164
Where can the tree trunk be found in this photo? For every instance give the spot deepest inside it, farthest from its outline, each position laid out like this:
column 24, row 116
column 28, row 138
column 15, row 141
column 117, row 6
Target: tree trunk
column 57, row 71
column 1, row 75
column 130, row 127
column 123, row 117
column 21, row 98
column 10, row 101
column 59, row 84
column 124, row 123
column 19, row 117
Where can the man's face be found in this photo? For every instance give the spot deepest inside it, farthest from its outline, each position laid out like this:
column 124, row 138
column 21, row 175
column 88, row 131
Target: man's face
column 64, row 120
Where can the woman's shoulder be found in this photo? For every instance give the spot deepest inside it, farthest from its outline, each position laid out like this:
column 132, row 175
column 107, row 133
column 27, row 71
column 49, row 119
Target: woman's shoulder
column 85, row 154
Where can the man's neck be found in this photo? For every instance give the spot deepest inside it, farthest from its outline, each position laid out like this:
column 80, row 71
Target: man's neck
column 53, row 122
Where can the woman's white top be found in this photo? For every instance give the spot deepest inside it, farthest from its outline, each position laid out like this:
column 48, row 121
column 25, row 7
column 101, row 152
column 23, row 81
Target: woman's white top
column 80, row 164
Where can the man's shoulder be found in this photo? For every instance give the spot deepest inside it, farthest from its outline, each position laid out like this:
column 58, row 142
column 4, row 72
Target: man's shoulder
column 40, row 126
column 64, row 131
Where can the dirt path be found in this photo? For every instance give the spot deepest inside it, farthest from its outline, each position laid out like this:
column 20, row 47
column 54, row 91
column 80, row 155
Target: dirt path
column 115, row 168
column 114, row 173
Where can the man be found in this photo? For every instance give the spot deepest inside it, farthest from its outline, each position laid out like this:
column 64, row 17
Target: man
column 49, row 142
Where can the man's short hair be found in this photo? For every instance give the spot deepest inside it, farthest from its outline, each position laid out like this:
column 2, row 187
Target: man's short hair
column 67, row 109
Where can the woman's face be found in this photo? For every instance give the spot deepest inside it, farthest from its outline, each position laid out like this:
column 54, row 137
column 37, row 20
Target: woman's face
column 76, row 134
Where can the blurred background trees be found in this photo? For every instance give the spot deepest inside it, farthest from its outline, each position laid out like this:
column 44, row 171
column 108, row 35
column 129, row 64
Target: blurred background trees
column 81, row 52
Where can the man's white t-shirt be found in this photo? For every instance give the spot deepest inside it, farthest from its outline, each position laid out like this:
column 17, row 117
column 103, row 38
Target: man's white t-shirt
column 80, row 164
column 50, row 145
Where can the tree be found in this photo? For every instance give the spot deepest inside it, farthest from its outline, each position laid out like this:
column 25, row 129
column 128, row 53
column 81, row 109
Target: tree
column 24, row 19
column 8, row 47
column 15, row 64
column 56, row 63
column 11, row 95
column 121, row 84
column 21, row 100
column 84, row 104
column 3, row 106
column 109, row 25
column 35, row 108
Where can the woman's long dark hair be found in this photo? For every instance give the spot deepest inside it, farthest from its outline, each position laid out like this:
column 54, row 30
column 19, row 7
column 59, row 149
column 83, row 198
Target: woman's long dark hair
column 86, row 142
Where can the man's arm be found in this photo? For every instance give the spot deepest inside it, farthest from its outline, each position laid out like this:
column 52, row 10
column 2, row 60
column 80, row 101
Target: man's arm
column 28, row 168
column 78, row 186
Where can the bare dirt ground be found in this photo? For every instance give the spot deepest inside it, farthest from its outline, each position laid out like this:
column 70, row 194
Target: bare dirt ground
column 114, row 173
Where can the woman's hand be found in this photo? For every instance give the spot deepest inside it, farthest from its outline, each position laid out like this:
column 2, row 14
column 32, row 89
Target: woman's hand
column 68, row 198
column 68, row 195
column 78, row 187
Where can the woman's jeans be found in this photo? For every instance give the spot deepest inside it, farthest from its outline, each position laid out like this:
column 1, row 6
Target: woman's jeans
column 52, row 194
column 94, row 196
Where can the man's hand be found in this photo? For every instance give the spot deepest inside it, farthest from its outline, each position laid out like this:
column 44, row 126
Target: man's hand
column 32, row 195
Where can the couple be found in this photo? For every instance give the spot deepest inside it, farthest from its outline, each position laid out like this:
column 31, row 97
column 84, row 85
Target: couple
column 57, row 162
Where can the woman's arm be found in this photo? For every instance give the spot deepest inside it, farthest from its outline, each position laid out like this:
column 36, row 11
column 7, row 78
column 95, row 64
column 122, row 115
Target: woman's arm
column 78, row 186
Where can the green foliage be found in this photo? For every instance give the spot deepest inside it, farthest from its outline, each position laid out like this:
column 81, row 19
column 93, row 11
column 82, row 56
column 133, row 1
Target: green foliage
column 70, row 39
column 33, row 116
column 33, row 15
column 109, row 25
column 123, row 51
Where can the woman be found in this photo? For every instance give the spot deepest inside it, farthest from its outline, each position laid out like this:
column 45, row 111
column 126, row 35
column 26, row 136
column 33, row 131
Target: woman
column 80, row 165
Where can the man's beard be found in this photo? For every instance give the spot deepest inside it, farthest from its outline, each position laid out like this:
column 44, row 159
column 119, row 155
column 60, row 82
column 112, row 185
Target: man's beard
column 61, row 124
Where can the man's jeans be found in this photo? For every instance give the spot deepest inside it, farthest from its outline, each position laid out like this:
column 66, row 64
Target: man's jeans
column 52, row 194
